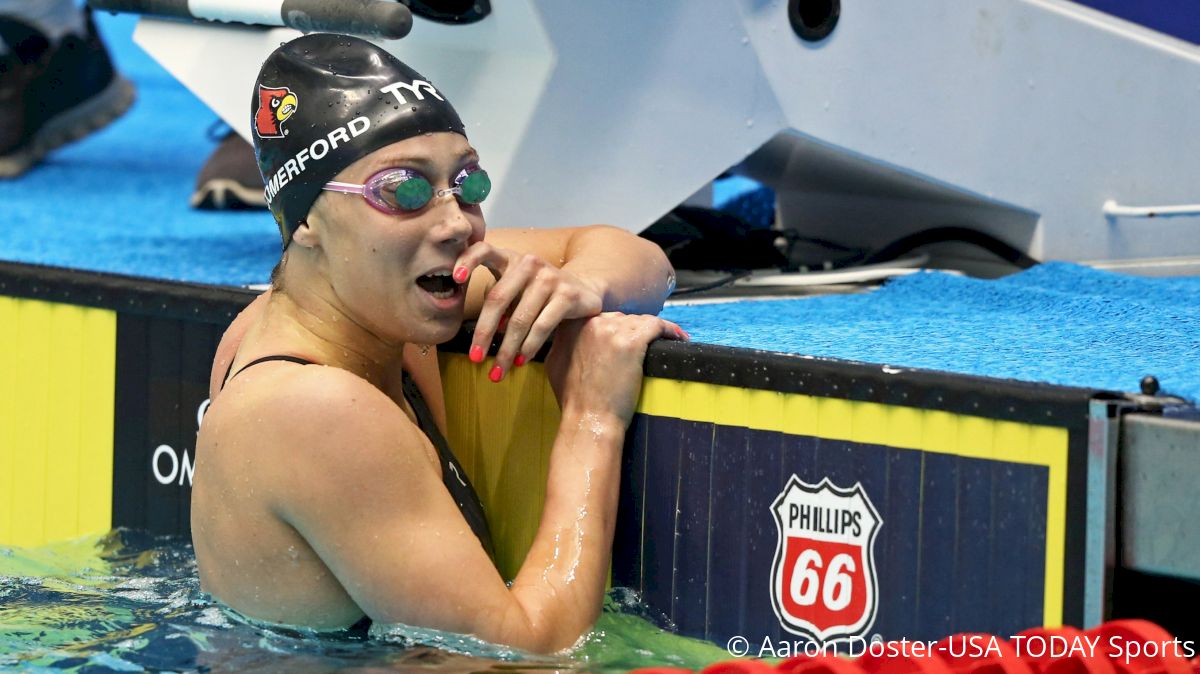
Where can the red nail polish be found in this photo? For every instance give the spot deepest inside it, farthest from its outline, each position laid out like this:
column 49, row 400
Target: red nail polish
column 496, row 374
column 460, row 274
column 476, row 354
column 519, row 360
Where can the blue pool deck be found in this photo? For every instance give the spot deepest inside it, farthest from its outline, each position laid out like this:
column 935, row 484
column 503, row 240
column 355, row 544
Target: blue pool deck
column 118, row 202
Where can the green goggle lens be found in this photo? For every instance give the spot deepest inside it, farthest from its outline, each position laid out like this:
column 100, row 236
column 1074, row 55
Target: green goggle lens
column 413, row 193
column 475, row 187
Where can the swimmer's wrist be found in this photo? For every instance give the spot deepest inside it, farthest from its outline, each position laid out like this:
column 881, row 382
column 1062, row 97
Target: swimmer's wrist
column 604, row 289
column 597, row 284
column 599, row 424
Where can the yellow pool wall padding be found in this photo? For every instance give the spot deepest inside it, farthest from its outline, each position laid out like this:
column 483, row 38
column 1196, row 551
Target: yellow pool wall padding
column 57, row 386
column 503, row 433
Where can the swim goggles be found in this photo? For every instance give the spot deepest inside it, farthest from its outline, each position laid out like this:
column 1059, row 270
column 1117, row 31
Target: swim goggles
column 399, row 190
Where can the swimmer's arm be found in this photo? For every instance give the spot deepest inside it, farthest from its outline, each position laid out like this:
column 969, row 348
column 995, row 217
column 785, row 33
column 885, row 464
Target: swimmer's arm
column 630, row 273
column 561, row 583
column 361, row 488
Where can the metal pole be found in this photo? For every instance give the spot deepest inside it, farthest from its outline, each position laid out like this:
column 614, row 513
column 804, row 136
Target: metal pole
column 371, row 18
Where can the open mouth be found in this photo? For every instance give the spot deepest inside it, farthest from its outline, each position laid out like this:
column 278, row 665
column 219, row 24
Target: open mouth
column 439, row 284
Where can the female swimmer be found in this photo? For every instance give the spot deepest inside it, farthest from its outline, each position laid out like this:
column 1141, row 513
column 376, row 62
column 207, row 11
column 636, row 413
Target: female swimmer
column 324, row 492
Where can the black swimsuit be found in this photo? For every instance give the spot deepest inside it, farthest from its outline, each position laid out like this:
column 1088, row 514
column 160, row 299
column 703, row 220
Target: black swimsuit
column 453, row 475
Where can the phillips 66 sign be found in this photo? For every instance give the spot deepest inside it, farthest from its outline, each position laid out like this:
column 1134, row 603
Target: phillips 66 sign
column 823, row 580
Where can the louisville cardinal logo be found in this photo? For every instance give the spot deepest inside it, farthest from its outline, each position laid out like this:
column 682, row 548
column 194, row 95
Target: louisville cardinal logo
column 275, row 106
column 823, row 580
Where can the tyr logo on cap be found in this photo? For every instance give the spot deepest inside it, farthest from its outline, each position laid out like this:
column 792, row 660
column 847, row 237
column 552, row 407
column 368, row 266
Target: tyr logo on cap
column 275, row 106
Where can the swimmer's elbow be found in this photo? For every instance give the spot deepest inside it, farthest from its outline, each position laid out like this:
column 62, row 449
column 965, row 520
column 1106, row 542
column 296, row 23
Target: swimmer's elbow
column 516, row 628
column 526, row 629
column 646, row 249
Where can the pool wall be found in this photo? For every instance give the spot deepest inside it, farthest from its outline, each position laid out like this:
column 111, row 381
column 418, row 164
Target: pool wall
column 104, row 376
column 765, row 494
column 978, row 491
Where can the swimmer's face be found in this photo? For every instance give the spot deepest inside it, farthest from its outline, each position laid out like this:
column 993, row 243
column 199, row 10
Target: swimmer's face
column 373, row 260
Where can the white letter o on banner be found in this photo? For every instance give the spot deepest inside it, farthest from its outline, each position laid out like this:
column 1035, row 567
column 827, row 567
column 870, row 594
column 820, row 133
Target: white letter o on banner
column 165, row 479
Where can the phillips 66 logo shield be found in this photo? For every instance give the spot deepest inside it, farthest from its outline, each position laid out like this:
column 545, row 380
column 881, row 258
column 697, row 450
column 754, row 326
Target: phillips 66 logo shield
column 823, row 580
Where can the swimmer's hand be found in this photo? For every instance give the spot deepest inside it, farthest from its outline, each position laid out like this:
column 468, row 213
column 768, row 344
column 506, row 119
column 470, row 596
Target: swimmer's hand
column 535, row 295
column 595, row 364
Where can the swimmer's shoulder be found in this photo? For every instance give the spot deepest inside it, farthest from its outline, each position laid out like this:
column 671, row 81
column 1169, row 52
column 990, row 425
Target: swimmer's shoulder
column 323, row 446
column 232, row 339
column 319, row 420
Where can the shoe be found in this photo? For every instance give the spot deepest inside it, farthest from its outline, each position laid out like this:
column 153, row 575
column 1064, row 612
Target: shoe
column 230, row 179
column 53, row 94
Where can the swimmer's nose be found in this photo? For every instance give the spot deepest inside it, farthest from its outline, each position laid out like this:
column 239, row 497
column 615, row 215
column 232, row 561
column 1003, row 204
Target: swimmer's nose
column 453, row 225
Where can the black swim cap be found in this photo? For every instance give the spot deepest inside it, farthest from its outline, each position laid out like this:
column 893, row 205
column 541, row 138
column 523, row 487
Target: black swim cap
column 323, row 101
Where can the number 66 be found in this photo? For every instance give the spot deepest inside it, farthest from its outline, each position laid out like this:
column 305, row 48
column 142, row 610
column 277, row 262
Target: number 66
column 835, row 587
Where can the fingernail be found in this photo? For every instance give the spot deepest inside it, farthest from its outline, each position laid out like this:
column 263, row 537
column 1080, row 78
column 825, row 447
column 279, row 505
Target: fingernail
column 476, row 354
column 503, row 324
column 687, row 336
column 519, row 360
column 460, row 274
column 496, row 374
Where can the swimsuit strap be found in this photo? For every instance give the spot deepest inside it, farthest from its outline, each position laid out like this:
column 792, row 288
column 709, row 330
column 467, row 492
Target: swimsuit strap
column 453, row 475
column 230, row 374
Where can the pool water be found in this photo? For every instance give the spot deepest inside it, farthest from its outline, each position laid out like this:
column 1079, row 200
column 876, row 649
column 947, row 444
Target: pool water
column 130, row 602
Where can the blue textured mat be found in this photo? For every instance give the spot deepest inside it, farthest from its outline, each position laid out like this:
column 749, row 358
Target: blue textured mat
column 117, row 202
column 1058, row 323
